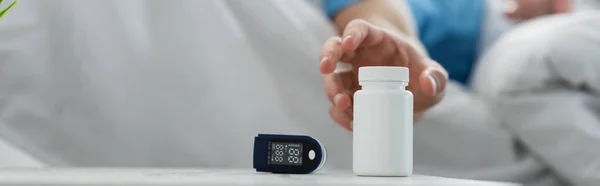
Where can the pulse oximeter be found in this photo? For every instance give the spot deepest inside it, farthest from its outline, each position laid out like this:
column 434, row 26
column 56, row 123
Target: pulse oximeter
column 288, row 154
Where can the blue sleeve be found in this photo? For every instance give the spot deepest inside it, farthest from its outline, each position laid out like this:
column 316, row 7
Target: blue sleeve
column 450, row 32
column 332, row 7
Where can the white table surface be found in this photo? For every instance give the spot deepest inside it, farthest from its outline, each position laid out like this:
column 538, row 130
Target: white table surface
column 129, row 176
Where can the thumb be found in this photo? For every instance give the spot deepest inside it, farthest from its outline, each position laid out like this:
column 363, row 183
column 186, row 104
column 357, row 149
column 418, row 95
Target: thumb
column 511, row 9
column 562, row 6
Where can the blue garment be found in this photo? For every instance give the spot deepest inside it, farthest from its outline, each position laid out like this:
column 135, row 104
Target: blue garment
column 449, row 29
column 332, row 7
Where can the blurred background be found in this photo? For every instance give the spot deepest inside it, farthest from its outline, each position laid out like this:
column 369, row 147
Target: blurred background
column 189, row 83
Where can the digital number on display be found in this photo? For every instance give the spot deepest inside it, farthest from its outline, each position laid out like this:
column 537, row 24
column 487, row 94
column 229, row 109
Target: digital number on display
column 286, row 153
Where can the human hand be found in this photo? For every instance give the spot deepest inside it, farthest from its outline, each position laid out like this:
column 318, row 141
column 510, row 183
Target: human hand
column 527, row 9
column 364, row 44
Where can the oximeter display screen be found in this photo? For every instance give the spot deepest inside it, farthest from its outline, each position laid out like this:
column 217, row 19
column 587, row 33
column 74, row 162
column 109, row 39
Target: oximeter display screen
column 283, row 153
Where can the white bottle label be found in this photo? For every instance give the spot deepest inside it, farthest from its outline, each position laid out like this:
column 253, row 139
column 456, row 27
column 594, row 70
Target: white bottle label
column 383, row 133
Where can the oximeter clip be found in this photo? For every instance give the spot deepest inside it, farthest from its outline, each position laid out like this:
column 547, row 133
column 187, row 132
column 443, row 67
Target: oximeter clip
column 288, row 154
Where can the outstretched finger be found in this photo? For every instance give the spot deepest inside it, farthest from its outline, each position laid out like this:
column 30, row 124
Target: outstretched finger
column 335, row 91
column 360, row 33
column 330, row 54
column 340, row 117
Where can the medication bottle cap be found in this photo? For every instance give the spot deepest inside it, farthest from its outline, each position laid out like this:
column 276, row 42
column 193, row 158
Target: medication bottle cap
column 383, row 73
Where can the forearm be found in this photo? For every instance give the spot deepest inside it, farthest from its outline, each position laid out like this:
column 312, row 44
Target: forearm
column 394, row 16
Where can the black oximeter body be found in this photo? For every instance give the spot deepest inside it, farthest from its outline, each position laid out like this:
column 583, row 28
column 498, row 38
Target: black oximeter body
column 289, row 154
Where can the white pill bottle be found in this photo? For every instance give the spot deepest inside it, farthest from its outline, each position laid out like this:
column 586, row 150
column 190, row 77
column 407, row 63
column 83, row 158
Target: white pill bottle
column 383, row 123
